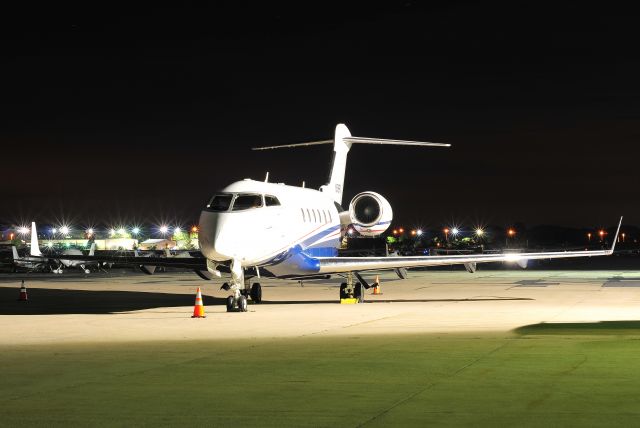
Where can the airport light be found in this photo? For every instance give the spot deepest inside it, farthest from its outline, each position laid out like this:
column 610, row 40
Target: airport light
column 54, row 230
column 194, row 229
column 589, row 236
column 23, row 230
column 511, row 233
column 479, row 232
column 395, row 231
column 419, row 232
column 455, row 231
column 112, row 232
column 601, row 233
column 135, row 230
column 177, row 230
column 401, row 230
column 121, row 231
column 49, row 244
column 65, row 230
column 413, row 232
column 446, row 233
column 623, row 236
column 164, row 229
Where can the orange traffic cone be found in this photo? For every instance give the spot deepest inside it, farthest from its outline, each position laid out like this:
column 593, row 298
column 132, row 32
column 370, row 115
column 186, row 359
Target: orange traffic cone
column 376, row 287
column 23, row 293
column 198, row 309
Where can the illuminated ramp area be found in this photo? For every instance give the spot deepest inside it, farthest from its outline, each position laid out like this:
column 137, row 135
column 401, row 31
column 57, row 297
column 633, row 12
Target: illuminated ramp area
column 444, row 348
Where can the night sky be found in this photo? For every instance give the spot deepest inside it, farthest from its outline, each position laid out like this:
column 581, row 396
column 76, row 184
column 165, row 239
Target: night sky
column 141, row 114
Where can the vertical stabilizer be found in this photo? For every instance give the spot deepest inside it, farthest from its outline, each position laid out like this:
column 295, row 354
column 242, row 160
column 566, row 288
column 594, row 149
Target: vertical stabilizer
column 35, row 248
column 336, row 178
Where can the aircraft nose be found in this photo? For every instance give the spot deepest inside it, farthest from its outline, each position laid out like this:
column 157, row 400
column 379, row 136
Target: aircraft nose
column 210, row 236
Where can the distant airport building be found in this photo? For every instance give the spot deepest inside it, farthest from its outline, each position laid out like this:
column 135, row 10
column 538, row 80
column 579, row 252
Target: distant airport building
column 157, row 244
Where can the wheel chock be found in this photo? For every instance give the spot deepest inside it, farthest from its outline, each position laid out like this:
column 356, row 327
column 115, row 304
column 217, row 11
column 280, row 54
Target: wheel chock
column 348, row 301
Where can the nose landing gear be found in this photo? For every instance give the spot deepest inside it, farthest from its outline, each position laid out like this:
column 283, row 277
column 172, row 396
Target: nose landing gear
column 241, row 289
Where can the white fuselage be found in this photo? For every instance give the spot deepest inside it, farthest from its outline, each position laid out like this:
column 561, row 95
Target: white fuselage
column 290, row 220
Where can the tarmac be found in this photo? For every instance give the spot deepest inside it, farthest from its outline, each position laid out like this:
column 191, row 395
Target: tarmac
column 124, row 307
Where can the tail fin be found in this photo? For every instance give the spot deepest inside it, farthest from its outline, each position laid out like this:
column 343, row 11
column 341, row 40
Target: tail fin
column 16, row 256
column 341, row 148
column 341, row 144
column 92, row 250
column 35, row 248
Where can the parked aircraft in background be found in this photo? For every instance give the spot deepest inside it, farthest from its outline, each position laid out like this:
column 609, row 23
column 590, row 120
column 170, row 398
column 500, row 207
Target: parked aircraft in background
column 58, row 262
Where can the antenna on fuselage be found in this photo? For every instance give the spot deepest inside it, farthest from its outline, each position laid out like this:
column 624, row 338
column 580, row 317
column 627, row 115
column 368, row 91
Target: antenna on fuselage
column 266, row 179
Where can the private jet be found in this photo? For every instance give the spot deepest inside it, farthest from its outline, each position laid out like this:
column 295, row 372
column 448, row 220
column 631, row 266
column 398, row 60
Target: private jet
column 258, row 229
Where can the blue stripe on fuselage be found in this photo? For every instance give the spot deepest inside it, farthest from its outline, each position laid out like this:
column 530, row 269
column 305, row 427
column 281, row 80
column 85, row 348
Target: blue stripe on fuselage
column 301, row 258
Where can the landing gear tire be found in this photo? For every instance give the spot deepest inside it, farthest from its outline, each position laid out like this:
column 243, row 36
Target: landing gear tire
column 343, row 291
column 256, row 293
column 230, row 304
column 242, row 304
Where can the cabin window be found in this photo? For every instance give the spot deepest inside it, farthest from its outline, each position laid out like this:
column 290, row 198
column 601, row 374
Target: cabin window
column 330, row 219
column 308, row 215
column 220, row 202
column 304, row 218
column 271, row 201
column 247, row 201
column 324, row 212
column 315, row 219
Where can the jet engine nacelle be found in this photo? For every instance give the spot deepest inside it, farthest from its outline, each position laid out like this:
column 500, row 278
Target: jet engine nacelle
column 370, row 213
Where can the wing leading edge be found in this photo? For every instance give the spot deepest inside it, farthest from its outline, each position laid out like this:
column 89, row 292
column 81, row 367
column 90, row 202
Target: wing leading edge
column 351, row 264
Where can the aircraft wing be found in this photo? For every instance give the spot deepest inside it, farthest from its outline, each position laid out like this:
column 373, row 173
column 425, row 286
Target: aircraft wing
column 199, row 263
column 330, row 265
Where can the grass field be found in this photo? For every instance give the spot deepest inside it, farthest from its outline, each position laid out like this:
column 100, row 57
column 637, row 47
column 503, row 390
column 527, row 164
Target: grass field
column 569, row 374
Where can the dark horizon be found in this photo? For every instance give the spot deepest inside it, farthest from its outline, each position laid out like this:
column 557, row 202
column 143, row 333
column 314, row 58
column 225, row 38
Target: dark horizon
column 141, row 114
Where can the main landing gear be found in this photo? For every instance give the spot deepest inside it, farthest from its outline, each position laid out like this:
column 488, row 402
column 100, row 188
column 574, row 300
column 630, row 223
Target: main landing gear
column 350, row 290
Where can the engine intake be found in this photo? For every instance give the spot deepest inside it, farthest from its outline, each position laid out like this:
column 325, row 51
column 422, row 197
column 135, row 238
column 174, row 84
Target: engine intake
column 370, row 213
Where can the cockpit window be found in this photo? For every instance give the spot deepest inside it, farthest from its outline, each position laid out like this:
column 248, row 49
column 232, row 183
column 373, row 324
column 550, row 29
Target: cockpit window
column 271, row 201
column 220, row 202
column 245, row 202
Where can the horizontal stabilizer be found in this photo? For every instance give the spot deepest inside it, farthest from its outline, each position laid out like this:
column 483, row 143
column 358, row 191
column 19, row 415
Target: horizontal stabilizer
column 359, row 140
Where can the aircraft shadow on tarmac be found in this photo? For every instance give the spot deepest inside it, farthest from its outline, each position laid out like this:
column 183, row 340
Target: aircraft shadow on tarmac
column 44, row 301
column 581, row 328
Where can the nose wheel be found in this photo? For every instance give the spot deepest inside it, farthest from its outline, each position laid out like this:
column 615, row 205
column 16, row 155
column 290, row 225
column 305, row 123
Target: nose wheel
column 241, row 290
column 237, row 305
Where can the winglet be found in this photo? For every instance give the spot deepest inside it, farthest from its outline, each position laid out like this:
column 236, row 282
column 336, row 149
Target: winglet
column 615, row 238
